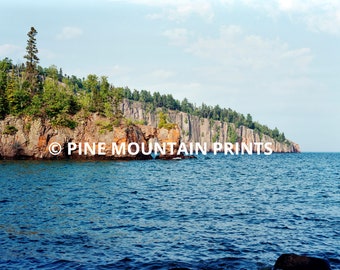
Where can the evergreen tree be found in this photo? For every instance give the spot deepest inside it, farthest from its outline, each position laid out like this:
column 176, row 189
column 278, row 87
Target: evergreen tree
column 135, row 95
column 275, row 133
column 60, row 75
column 104, row 87
column 92, row 86
column 5, row 66
column 117, row 100
column 32, row 60
column 249, row 121
column 18, row 97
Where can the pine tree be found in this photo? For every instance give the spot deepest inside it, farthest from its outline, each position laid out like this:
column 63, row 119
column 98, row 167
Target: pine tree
column 32, row 60
column 5, row 66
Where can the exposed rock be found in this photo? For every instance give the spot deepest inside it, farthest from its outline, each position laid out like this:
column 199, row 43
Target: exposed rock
column 32, row 139
column 175, row 157
column 297, row 262
column 169, row 136
column 201, row 130
column 250, row 137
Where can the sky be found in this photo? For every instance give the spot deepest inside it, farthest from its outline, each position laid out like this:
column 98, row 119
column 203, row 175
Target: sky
column 276, row 60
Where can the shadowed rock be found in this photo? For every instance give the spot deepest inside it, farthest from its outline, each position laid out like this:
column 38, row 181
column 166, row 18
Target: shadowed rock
column 296, row 262
column 32, row 139
column 201, row 130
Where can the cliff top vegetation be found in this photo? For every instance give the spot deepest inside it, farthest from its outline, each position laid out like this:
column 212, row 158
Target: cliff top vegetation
column 32, row 90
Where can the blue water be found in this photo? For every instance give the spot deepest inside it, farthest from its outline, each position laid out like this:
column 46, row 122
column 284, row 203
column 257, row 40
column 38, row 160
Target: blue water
column 214, row 212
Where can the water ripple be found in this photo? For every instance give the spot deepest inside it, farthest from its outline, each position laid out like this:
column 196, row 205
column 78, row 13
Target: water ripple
column 215, row 212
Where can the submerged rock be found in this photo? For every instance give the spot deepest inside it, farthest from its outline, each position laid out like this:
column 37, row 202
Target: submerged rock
column 297, row 262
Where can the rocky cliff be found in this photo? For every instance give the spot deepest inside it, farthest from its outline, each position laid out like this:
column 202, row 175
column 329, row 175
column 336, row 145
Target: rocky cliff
column 94, row 138
column 202, row 130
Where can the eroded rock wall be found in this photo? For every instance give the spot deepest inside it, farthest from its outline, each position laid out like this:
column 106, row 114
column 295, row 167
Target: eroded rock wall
column 24, row 138
column 201, row 130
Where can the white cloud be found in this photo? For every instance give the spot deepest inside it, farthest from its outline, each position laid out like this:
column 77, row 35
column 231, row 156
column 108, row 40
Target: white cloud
column 161, row 74
column 328, row 23
column 69, row 32
column 186, row 8
column 286, row 4
column 302, row 6
column 118, row 74
column 7, row 50
column 177, row 36
column 235, row 48
column 317, row 15
column 177, row 10
column 261, row 72
column 47, row 54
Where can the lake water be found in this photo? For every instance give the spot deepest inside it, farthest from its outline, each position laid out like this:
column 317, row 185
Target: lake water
column 214, row 212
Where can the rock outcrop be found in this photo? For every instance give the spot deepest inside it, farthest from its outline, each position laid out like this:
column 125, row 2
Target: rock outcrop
column 93, row 138
column 202, row 130
column 297, row 262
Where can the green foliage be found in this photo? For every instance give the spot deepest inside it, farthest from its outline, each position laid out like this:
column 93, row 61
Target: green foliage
column 108, row 112
column 145, row 96
column 216, row 136
column 10, row 130
column 232, row 134
column 116, row 122
column 46, row 92
column 282, row 137
column 32, row 61
column 27, row 127
column 57, row 99
column 92, row 87
column 261, row 136
column 64, row 120
column 18, row 100
column 150, row 108
column 116, row 97
column 104, row 126
column 35, row 109
column 135, row 95
column 5, row 66
column 51, row 72
column 186, row 106
column 275, row 133
column 163, row 122
column 249, row 121
column 129, row 121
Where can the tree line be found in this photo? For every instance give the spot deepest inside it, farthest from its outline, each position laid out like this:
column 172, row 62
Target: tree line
column 29, row 89
column 167, row 101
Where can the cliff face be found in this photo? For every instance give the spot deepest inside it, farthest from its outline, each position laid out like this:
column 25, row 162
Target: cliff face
column 24, row 138
column 202, row 130
column 36, row 138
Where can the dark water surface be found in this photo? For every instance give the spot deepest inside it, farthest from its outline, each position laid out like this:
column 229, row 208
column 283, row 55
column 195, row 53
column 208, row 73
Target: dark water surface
column 215, row 212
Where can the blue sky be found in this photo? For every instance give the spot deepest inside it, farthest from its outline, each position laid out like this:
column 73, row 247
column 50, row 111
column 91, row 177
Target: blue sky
column 276, row 60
